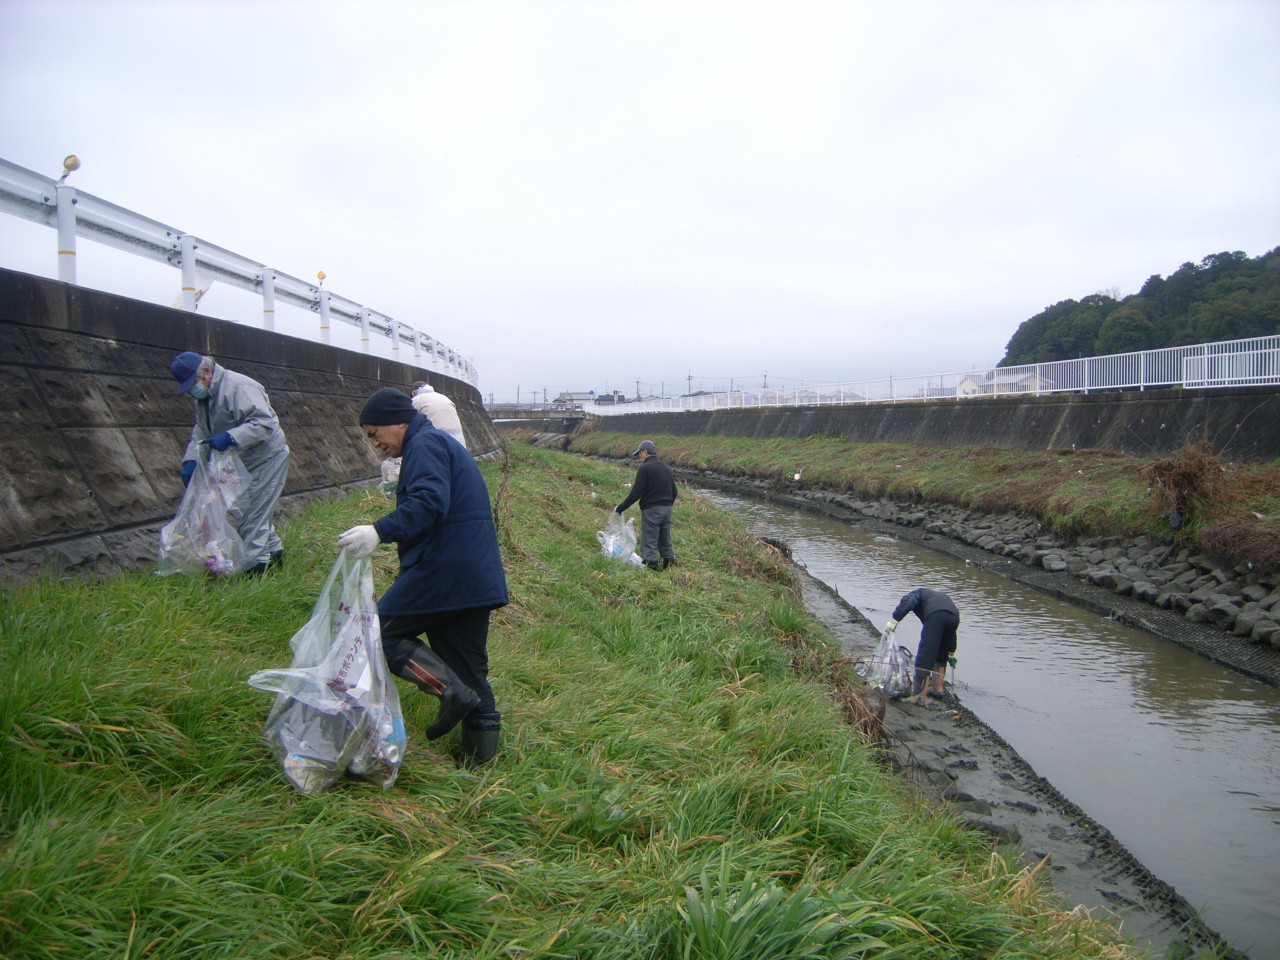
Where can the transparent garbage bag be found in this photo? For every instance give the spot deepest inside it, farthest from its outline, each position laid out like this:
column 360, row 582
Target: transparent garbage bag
column 890, row 668
column 202, row 536
column 618, row 540
column 390, row 475
column 337, row 709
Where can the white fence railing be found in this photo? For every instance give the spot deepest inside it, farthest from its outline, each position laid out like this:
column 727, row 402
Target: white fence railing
column 54, row 203
column 1233, row 363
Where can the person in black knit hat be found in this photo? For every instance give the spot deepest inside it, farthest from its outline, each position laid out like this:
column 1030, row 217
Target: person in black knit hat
column 450, row 577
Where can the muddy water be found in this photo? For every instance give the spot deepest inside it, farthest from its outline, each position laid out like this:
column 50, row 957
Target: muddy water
column 1179, row 758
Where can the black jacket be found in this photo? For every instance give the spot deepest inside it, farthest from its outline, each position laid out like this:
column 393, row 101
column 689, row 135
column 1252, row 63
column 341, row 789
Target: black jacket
column 923, row 602
column 655, row 486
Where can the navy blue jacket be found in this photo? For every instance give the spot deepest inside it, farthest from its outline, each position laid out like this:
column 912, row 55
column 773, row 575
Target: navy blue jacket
column 923, row 602
column 443, row 528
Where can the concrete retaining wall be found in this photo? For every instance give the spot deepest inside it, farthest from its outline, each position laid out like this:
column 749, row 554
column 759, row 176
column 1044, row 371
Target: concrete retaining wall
column 1243, row 423
column 92, row 430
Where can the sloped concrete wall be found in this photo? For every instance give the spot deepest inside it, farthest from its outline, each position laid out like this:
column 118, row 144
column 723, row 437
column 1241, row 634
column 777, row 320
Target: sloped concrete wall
column 92, row 431
column 1243, row 423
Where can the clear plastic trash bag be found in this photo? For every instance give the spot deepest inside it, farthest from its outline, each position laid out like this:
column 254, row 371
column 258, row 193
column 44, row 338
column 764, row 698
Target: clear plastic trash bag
column 890, row 668
column 338, row 710
column 618, row 540
column 390, row 476
column 202, row 536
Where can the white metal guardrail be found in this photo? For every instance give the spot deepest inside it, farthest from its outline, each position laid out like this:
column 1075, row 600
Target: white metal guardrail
column 55, row 203
column 1232, row 363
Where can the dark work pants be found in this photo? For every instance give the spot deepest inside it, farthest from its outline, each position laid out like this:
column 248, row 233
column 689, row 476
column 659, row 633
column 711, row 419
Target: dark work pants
column 655, row 534
column 458, row 637
column 937, row 639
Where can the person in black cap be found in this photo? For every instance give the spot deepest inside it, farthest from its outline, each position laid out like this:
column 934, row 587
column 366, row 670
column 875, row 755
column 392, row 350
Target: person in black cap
column 655, row 488
column 450, row 576
column 232, row 410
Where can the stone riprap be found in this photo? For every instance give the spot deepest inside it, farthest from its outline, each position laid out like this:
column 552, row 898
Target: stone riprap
column 1230, row 614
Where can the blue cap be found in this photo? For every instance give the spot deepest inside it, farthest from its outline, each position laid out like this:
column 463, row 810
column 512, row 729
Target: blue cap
column 184, row 368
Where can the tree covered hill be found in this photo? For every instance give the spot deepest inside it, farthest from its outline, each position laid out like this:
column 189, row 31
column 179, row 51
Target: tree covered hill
column 1227, row 296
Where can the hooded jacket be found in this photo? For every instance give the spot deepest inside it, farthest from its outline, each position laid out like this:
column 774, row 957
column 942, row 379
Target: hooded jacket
column 443, row 529
column 238, row 405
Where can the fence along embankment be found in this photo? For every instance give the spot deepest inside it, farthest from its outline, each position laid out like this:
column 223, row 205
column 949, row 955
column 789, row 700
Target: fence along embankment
column 1240, row 422
column 92, row 430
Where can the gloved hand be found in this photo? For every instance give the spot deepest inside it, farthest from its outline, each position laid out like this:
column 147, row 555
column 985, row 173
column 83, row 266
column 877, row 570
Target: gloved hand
column 891, row 625
column 220, row 441
column 359, row 541
column 951, row 662
column 188, row 470
column 617, row 509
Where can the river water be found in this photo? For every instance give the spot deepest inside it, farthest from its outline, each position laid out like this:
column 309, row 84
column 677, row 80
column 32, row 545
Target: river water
column 1179, row 758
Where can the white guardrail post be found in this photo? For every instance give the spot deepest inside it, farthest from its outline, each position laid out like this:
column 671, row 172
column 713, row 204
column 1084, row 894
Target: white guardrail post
column 268, row 299
column 66, row 212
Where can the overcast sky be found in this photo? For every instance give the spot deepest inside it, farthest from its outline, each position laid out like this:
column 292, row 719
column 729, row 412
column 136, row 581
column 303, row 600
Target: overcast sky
column 583, row 195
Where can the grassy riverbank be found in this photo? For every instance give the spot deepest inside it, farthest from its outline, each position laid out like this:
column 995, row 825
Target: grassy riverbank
column 1229, row 510
column 677, row 779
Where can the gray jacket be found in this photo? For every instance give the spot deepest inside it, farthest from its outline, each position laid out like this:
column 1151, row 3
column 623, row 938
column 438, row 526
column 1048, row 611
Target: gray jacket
column 238, row 405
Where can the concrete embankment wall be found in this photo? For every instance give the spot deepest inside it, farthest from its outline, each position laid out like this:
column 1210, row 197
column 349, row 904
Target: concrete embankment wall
column 1243, row 423
column 92, row 430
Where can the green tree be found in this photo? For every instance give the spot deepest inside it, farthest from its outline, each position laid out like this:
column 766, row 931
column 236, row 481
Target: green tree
column 1125, row 330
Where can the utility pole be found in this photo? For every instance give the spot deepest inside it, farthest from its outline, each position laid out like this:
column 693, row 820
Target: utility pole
column 637, row 389
column 690, row 389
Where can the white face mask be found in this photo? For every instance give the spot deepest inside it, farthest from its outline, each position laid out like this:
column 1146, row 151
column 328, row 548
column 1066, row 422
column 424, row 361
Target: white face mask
column 199, row 391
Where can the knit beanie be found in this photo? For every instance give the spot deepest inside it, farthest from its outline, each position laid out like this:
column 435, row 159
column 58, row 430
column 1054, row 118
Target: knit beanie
column 385, row 407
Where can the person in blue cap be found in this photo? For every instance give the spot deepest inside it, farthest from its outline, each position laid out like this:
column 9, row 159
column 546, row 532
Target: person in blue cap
column 232, row 410
column 451, row 575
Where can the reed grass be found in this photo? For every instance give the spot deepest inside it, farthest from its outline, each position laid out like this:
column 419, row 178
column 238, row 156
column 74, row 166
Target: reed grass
column 676, row 777
column 1228, row 510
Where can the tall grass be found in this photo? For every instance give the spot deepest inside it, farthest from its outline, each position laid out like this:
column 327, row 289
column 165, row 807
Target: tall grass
column 1230, row 510
column 675, row 778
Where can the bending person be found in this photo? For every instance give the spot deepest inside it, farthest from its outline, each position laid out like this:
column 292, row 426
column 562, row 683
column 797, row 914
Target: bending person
column 939, row 621
column 232, row 410
column 450, row 576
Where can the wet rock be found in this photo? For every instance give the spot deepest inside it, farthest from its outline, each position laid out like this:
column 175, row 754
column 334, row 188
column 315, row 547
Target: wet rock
column 1223, row 611
column 1001, row 832
column 1197, row 613
column 1254, row 592
column 1247, row 619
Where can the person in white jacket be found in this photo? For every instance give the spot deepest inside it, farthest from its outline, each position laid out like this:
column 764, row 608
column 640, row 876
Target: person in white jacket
column 439, row 409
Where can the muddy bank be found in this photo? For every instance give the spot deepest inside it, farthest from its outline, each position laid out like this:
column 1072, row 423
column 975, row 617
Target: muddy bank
column 1227, row 615
column 957, row 761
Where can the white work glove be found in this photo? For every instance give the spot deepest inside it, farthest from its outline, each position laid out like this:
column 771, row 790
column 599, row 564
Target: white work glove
column 891, row 625
column 359, row 541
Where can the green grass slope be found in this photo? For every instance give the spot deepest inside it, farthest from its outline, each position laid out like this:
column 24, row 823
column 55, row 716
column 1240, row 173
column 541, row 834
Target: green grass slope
column 675, row 779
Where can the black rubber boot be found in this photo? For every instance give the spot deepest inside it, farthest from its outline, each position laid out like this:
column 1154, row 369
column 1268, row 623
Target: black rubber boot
column 479, row 746
column 429, row 674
